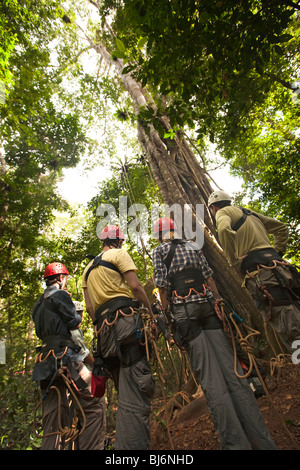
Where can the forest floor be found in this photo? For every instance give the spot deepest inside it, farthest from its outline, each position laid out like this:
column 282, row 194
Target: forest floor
column 192, row 428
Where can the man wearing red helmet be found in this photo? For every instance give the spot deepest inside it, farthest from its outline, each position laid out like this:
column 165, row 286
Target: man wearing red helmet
column 113, row 294
column 188, row 294
column 55, row 316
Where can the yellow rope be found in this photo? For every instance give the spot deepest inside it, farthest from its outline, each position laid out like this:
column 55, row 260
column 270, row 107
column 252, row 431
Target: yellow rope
column 149, row 337
column 244, row 342
column 70, row 434
column 249, row 349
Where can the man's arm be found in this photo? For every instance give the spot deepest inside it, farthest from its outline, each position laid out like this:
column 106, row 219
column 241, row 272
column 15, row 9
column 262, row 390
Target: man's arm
column 137, row 289
column 163, row 294
column 279, row 231
column 211, row 283
column 88, row 304
column 77, row 337
column 227, row 237
column 66, row 308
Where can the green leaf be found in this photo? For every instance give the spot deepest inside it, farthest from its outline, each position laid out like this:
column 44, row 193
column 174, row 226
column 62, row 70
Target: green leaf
column 141, row 43
column 118, row 54
column 128, row 69
column 120, row 45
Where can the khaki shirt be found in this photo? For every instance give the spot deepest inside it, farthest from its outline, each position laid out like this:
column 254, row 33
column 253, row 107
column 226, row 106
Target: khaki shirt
column 252, row 235
column 105, row 284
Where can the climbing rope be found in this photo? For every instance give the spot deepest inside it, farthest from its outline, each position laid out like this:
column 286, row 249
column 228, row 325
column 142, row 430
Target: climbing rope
column 278, row 362
column 248, row 348
column 68, row 434
column 168, row 407
column 243, row 341
column 150, row 338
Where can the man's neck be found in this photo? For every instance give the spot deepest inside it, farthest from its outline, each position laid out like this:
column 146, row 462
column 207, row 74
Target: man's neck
column 106, row 248
column 54, row 286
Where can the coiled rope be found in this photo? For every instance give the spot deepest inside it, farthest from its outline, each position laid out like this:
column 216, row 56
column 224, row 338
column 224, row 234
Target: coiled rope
column 68, row 434
column 248, row 348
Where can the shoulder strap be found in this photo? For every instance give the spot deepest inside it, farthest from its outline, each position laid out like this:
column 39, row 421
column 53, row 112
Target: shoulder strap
column 172, row 249
column 240, row 222
column 98, row 261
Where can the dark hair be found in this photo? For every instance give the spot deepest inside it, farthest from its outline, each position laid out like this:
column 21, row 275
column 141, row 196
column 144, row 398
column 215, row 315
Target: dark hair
column 221, row 204
column 53, row 279
column 111, row 242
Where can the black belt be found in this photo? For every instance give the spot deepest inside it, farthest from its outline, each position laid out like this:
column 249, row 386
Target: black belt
column 183, row 281
column 265, row 256
column 113, row 305
column 57, row 342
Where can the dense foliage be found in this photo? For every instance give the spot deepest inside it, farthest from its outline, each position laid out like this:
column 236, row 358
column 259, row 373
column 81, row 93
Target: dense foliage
column 227, row 70
column 38, row 140
column 223, row 72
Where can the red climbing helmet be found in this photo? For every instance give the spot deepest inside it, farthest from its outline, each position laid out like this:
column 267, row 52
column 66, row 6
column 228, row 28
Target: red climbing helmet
column 112, row 232
column 165, row 223
column 55, row 268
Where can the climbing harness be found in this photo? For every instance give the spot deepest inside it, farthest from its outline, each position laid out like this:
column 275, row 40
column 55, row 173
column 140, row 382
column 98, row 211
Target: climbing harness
column 98, row 261
column 182, row 285
column 110, row 318
column 264, row 257
column 107, row 316
column 284, row 291
column 246, row 213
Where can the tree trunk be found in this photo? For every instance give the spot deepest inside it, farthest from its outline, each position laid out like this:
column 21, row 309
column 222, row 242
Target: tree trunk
column 181, row 179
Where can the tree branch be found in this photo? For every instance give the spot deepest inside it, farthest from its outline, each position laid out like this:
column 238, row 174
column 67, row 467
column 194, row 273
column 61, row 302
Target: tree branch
column 284, row 83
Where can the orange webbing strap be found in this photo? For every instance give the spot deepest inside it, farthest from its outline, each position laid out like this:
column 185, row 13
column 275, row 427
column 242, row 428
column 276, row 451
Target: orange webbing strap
column 117, row 313
column 191, row 291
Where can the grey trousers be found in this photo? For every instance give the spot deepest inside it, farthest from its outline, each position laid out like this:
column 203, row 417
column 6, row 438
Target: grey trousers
column 136, row 387
column 231, row 402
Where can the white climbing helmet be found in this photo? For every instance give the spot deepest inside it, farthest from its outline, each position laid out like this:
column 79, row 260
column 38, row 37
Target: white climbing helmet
column 218, row 196
column 78, row 305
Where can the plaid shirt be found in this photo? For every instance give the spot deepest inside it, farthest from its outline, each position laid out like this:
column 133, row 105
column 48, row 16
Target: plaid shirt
column 185, row 257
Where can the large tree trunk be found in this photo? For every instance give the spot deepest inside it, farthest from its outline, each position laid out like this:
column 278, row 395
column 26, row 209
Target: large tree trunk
column 175, row 190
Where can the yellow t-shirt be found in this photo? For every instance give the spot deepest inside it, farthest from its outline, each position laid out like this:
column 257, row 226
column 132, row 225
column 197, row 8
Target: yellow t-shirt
column 105, row 284
column 253, row 234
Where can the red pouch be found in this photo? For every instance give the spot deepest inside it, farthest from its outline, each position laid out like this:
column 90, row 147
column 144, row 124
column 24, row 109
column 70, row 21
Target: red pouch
column 98, row 385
